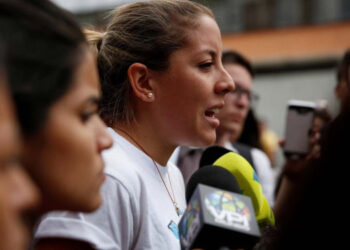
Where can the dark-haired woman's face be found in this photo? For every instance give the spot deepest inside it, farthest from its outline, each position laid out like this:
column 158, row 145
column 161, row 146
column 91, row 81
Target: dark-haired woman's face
column 17, row 192
column 65, row 156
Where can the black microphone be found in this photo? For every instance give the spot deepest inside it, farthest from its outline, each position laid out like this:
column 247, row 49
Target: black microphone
column 217, row 216
column 214, row 177
column 246, row 177
column 211, row 154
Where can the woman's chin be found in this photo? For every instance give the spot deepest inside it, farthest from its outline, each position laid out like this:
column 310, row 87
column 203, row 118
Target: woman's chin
column 86, row 206
column 206, row 139
column 94, row 205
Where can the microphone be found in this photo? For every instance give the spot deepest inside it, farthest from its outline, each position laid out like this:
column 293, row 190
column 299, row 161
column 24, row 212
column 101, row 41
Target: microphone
column 248, row 183
column 219, row 178
column 211, row 154
column 216, row 215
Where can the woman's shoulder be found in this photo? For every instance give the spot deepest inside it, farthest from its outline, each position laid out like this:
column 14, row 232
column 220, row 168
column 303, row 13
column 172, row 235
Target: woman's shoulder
column 121, row 172
column 132, row 170
column 121, row 160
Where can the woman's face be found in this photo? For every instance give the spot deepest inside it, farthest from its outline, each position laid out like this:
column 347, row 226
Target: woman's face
column 233, row 115
column 17, row 192
column 65, row 156
column 192, row 90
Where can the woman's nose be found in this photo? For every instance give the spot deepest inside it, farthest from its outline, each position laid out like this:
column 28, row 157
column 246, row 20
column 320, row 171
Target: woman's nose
column 226, row 83
column 104, row 140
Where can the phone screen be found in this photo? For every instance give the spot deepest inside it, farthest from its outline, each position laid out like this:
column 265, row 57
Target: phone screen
column 299, row 121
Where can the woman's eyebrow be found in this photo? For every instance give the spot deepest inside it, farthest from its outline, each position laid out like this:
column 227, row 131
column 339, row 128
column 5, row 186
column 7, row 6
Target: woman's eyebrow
column 211, row 52
column 94, row 99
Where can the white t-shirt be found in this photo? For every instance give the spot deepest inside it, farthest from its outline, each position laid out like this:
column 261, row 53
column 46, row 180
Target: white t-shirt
column 137, row 212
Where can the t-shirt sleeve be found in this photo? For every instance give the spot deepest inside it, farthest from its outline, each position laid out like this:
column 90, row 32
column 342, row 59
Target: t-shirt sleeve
column 112, row 226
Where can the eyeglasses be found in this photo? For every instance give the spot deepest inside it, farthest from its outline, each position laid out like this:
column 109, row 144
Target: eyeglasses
column 239, row 92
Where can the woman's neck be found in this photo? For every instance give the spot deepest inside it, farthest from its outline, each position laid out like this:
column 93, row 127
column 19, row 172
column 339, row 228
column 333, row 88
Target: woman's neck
column 222, row 139
column 147, row 140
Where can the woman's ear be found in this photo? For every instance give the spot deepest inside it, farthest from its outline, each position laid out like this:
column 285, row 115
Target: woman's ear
column 139, row 77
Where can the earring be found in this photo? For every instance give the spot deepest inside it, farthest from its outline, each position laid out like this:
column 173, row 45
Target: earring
column 150, row 95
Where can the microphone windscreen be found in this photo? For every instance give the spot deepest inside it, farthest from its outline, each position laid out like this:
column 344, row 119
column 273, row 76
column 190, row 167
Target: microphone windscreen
column 266, row 216
column 246, row 177
column 249, row 185
column 212, row 176
column 211, row 154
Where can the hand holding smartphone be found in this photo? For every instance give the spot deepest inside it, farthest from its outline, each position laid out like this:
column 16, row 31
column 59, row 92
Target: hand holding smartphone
column 300, row 116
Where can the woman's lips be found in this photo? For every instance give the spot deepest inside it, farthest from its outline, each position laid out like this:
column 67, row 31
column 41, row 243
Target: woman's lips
column 101, row 177
column 101, row 174
column 211, row 118
column 237, row 118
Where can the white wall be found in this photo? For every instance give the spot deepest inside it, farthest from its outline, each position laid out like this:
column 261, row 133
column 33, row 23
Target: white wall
column 275, row 90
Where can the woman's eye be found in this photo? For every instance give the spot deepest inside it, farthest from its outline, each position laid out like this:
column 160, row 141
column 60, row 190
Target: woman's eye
column 12, row 162
column 90, row 110
column 87, row 115
column 206, row 65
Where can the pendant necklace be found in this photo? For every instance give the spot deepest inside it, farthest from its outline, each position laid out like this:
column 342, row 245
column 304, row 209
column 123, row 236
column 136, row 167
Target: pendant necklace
column 177, row 209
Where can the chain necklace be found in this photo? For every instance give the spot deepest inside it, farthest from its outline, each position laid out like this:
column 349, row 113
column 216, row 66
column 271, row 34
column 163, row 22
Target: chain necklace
column 177, row 209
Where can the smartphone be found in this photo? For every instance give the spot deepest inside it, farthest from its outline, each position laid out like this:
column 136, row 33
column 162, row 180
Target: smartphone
column 300, row 116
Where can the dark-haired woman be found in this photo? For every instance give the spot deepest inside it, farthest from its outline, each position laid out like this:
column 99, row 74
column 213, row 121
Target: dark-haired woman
column 54, row 83
column 18, row 193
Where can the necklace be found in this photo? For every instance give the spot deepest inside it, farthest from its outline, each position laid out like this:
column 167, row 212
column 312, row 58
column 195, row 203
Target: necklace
column 177, row 209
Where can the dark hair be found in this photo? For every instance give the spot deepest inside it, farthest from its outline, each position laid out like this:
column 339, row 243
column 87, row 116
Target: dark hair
column 45, row 46
column 2, row 63
column 343, row 68
column 231, row 56
column 146, row 32
column 251, row 134
column 1, row 55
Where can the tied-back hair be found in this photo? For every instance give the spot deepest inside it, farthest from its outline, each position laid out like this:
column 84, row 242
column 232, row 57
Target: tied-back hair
column 94, row 39
column 144, row 32
column 45, row 46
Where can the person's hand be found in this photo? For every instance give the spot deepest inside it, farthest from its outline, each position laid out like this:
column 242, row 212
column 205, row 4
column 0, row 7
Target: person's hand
column 314, row 144
column 296, row 166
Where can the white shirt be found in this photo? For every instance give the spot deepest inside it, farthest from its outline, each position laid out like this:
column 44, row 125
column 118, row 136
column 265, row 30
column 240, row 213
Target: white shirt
column 137, row 212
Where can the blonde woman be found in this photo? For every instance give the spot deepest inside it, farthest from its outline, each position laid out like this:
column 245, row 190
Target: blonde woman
column 162, row 85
